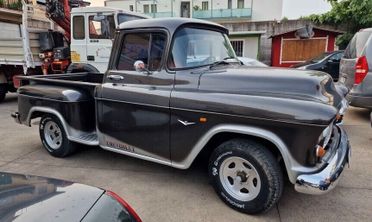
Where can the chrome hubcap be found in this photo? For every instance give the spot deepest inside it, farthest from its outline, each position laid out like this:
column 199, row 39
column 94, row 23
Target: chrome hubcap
column 240, row 179
column 53, row 135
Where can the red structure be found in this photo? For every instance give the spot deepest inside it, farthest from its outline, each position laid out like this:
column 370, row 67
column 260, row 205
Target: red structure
column 299, row 45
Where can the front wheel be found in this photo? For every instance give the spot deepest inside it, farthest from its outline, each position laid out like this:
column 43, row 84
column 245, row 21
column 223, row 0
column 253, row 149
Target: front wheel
column 246, row 176
column 53, row 137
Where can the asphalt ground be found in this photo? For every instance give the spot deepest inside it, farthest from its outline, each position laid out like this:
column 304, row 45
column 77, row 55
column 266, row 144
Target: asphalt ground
column 160, row 193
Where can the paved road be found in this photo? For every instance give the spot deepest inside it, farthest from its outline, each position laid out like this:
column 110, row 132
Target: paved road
column 161, row 193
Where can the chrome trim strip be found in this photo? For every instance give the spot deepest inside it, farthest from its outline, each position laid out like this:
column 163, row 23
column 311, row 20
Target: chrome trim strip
column 292, row 166
column 71, row 133
column 136, row 155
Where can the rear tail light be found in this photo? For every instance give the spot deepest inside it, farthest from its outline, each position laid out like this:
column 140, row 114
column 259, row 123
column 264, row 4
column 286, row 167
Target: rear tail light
column 125, row 205
column 361, row 69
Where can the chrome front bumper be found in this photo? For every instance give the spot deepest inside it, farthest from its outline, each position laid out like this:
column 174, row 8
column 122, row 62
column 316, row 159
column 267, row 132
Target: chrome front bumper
column 325, row 180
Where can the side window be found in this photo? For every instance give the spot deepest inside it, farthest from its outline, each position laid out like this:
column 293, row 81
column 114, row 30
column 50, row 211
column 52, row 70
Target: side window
column 158, row 41
column 101, row 29
column 337, row 57
column 79, row 29
column 350, row 51
column 146, row 47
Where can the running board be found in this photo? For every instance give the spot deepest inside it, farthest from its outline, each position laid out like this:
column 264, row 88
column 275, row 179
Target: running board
column 90, row 139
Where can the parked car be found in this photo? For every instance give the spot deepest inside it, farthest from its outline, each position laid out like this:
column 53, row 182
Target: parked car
column 328, row 62
column 251, row 62
column 356, row 69
column 34, row 198
column 174, row 90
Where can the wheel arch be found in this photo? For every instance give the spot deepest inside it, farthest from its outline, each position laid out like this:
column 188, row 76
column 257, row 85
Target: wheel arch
column 36, row 112
column 222, row 133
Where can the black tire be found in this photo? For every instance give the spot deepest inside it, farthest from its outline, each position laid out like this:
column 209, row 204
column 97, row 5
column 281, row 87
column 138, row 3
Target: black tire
column 3, row 91
column 263, row 168
column 63, row 147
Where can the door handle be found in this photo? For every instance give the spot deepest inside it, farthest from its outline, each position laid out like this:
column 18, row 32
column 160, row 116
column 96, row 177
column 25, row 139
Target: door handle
column 115, row 77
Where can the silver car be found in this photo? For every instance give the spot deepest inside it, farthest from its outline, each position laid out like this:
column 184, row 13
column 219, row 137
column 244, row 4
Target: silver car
column 356, row 69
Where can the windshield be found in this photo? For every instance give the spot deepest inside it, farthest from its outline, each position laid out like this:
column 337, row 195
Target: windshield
column 193, row 47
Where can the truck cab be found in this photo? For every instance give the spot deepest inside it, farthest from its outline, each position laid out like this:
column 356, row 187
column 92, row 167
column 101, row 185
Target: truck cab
column 92, row 34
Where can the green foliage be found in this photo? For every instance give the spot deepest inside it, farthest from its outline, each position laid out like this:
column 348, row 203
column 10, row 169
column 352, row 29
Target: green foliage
column 196, row 7
column 15, row 5
column 2, row 3
column 351, row 14
column 284, row 19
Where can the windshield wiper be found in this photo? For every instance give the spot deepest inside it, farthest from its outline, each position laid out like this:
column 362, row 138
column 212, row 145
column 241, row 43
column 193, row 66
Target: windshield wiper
column 223, row 62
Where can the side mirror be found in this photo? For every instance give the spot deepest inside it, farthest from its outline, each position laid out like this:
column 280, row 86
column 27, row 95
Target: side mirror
column 139, row 66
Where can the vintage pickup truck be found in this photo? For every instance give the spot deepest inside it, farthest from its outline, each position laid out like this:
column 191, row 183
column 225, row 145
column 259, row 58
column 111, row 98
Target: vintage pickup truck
column 174, row 91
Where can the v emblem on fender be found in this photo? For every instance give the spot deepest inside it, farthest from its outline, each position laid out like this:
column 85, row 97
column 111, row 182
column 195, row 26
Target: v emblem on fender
column 186, row 123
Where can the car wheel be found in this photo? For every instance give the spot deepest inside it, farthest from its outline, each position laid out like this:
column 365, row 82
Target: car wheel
column 53, row 137
column 3, row 91
column 246, row 176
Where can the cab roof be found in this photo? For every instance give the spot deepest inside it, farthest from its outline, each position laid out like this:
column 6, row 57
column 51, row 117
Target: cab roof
column 171, row 24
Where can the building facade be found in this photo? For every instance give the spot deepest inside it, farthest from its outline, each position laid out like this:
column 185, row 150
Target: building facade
column 256, row 10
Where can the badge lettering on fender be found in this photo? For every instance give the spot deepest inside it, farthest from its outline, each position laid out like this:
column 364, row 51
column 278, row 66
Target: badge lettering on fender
column 124, row 147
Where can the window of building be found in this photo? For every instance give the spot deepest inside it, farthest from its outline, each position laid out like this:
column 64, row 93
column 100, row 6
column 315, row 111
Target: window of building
column 101, row 29
column 79, row 29
column 136, row 46
column 205, row 5
column 238, row 47
column 240, row 3
column 131, row 8
column 154, row 8
column 146, row 9
column 229, row 4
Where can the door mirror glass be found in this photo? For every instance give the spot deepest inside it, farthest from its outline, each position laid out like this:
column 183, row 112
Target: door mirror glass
column 139, row 66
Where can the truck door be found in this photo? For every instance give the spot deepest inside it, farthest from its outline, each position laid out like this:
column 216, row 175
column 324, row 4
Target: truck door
column 133, row 106
column 101, row 30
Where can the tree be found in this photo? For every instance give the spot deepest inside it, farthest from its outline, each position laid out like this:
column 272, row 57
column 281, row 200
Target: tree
column 350, row 14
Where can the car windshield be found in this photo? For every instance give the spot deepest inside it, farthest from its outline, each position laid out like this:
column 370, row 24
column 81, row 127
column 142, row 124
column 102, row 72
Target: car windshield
column 195, row 47
column 320, row 57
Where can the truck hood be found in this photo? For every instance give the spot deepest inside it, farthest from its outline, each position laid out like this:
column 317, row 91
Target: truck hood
column 272, row 82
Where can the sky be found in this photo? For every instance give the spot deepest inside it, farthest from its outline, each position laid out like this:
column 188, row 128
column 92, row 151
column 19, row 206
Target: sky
column 292, row 9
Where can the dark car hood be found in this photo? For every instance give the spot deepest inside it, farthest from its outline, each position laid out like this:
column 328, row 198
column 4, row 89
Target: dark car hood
column 272, row 82
column 32, row 198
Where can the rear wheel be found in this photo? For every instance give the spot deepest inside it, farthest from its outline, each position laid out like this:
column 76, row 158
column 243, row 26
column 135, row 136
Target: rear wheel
column 53, row 137
column 3, row 91
column 246, row 176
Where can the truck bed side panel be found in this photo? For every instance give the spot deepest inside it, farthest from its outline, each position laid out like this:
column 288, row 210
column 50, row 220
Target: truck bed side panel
column 76, row 106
